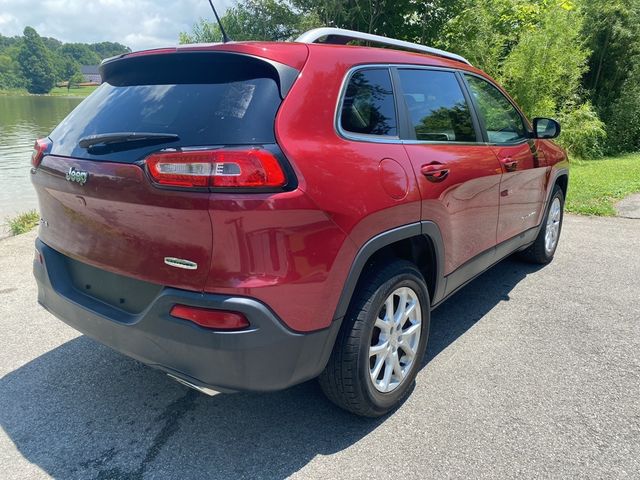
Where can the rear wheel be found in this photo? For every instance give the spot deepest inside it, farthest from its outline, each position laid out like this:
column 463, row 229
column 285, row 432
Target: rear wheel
column 381, row 342
column 546, row 243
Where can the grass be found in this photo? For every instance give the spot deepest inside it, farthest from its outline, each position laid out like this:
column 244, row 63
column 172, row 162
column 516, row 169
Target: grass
column 55, row 92
column 72, row 92
column 13, row 92
column 596, row 185
column 23, row 222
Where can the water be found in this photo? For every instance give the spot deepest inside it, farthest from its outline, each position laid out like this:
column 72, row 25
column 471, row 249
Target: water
column 22, row 120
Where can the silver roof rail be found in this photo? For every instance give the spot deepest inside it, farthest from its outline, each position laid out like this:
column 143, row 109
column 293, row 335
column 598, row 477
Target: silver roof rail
column 341, row 36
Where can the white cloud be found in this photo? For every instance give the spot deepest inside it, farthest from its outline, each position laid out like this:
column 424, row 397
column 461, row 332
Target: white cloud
column 7, row 21
column 139, row 24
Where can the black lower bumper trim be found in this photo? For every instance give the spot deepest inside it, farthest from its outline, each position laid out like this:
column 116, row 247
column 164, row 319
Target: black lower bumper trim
column 267, row 356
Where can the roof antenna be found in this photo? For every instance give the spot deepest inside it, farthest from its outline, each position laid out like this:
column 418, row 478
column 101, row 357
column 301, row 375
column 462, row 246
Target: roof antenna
column 225, row 38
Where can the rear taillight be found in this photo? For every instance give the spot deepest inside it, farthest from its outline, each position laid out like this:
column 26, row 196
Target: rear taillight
column 39, row 149
column 224, row 168
column 216, row 319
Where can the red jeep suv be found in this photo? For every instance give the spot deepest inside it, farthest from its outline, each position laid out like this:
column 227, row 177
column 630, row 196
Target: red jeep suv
column 247, row 216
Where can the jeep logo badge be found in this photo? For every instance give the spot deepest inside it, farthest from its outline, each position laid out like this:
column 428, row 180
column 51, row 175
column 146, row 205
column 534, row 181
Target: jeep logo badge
column 79, row 176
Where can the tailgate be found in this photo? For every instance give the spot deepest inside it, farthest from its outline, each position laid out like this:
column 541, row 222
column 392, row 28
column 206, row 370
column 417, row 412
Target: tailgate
column 119, row 222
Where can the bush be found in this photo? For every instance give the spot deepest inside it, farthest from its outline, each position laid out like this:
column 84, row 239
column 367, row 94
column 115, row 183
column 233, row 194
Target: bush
column 583, row 133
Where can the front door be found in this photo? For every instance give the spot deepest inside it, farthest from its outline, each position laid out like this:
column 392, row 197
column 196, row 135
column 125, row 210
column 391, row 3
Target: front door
column 523, row 185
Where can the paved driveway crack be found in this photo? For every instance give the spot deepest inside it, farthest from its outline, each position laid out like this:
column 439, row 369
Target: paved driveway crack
column 171, row 417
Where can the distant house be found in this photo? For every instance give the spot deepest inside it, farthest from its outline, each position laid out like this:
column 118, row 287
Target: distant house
column 90, row 74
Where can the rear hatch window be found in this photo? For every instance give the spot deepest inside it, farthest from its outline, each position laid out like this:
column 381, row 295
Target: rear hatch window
column 202, row 98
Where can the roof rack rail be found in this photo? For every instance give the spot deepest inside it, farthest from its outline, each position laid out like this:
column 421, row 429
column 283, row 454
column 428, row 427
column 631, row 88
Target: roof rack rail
column 341, row 36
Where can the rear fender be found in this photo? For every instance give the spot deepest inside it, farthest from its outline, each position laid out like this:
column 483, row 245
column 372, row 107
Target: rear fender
column 427, row 228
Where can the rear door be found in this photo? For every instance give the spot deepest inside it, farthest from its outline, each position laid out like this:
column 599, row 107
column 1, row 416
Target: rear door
column 523, row 186
column 98, row 203
column 458, row 175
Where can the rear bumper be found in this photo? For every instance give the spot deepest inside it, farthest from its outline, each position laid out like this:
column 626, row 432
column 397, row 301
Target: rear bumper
column 264, row 357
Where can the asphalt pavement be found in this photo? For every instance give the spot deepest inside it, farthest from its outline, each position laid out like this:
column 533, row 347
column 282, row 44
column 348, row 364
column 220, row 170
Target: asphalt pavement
column 531, row 373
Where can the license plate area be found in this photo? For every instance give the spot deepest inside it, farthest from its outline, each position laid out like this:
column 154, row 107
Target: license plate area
column 125, row 293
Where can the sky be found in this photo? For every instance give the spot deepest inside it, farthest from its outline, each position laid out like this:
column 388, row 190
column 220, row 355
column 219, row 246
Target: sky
column 138, row 24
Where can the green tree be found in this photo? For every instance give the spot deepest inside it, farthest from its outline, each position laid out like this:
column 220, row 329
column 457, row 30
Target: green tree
column 66, row 69
column 36, row 57
column 252, row 20
column 428, row 18
column 109, row 49
column 81, row 53
column 485, row 31
column 543, row 70
column 536, row 49
column 623, row 126
column 612, row 32
column 35, row 63
column 10, row 73
column 383, row 17
column 52, row 44
column 8, row 42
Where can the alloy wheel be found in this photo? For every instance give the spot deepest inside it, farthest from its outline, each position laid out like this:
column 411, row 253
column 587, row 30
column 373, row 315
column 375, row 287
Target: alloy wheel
column 395, row 339
column 553, row 226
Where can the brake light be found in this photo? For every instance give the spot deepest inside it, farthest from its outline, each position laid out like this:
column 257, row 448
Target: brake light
column 217, row 319
column 39, row 149
column 225, row 168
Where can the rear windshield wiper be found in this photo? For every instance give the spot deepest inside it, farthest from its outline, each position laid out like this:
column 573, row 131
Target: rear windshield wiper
column 133, row 139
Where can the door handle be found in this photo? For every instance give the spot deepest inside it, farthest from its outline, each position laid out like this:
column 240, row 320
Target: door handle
column 510, row 165
column 435, row 172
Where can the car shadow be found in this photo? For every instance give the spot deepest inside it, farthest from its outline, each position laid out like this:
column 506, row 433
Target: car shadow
column 84, row 411
column 466, row 307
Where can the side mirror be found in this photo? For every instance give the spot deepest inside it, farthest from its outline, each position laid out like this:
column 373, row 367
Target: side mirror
column 545, row 128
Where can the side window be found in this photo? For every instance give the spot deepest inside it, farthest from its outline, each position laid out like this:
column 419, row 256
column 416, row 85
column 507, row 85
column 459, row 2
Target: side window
column 502, row 121
column 437, row 108
column 368, row 106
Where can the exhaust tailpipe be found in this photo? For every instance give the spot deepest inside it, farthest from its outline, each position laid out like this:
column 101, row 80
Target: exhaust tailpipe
column 207, row 391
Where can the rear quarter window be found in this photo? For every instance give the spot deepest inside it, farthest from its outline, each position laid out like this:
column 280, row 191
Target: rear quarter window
column 368, row 106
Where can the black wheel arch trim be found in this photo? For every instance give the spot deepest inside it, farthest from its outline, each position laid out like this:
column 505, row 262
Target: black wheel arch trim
column 373, row 245
column 561, row 172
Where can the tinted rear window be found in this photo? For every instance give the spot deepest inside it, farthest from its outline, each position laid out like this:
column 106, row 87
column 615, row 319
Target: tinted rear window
column 436, row 106
column 209, row 108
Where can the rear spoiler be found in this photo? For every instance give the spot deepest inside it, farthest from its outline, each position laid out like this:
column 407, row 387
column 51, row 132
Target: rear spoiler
column 173, row 66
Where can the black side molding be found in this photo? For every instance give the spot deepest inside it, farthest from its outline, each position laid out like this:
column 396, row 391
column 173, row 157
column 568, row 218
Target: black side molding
column 482, row 262
column 487, row 259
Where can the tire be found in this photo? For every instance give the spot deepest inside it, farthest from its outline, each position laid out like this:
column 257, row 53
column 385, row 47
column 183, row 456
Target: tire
column 347, row 380
column 540, row 251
